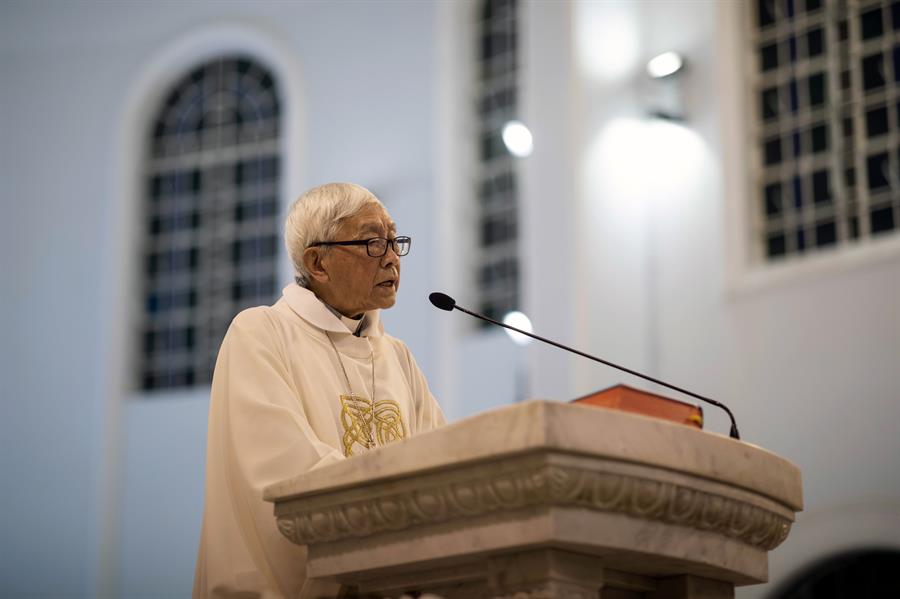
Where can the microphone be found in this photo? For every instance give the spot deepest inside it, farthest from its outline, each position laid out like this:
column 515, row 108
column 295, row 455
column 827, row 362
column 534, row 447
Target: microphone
column 447, row 303
column 442, row 301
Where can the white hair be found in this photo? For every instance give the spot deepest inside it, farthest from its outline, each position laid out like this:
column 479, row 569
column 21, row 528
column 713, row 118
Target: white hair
column 317, row 215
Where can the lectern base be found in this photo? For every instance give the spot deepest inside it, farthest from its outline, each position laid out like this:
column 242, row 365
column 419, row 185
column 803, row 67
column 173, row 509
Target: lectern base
column 544, row 574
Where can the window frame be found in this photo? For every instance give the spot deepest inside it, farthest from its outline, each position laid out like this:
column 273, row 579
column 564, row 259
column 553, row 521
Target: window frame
column 746, row 272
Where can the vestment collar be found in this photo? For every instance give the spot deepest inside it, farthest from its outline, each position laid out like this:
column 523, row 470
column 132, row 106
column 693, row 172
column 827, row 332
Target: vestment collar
column 311, row 309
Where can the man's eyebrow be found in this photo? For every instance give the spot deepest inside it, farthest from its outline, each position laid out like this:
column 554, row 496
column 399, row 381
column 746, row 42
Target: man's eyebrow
column 376, row 227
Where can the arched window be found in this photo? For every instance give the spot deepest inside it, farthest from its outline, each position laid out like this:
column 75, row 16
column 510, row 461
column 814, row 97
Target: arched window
column 498, row 214
column 825, row 85
column 210, row 216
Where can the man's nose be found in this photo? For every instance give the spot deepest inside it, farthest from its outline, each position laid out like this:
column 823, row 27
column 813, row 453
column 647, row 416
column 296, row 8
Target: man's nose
column 390, row 256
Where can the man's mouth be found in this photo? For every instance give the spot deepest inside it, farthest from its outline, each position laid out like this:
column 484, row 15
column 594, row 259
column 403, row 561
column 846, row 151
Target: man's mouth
column 388, row 283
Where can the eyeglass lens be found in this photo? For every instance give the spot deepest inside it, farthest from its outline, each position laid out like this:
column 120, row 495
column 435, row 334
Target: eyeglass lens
column 378, row 247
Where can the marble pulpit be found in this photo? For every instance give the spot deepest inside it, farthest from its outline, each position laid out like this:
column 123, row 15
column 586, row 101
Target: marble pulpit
column 546, row 500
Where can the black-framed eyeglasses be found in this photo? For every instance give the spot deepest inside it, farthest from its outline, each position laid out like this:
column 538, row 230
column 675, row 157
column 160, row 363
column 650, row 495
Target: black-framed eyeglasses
column 376, row 246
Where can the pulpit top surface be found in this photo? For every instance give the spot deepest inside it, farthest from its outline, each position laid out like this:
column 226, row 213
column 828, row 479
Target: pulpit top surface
column 540, row 425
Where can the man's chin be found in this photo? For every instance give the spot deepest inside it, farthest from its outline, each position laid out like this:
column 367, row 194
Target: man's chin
column 386, row 301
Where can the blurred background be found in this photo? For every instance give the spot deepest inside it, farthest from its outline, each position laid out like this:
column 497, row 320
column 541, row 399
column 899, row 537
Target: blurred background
column 730, row 226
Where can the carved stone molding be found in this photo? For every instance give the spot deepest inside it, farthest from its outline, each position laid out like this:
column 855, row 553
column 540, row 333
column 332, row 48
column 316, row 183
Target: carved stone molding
column 534, row 485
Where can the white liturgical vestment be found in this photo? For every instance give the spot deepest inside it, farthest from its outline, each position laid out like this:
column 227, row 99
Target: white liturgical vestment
column 280, row 406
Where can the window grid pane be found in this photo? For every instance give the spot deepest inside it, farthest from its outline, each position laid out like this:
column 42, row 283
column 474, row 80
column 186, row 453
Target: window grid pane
column 211, row 217
column 497, row 269
column 825, row 85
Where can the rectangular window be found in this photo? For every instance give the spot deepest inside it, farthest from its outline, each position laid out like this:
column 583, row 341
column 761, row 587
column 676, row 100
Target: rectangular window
column 825, row 83
column 497, row 267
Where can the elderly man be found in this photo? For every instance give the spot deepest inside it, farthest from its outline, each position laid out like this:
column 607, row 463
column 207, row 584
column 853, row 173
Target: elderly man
column 304, row 383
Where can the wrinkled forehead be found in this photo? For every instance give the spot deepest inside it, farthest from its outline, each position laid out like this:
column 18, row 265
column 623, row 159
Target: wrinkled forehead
column 373, row 218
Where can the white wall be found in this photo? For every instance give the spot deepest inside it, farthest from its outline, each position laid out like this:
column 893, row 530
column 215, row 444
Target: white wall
column 628, row 245
column 807, row 356
column 101, row 492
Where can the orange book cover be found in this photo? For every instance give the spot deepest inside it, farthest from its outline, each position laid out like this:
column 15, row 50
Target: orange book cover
column 629, row 399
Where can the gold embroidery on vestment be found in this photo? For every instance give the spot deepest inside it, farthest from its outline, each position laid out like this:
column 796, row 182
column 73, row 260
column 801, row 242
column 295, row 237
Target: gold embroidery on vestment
column 364, row 426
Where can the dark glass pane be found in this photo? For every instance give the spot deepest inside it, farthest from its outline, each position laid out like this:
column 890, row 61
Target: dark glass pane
column 801, row 240
column 790, row 8
column 256, row 171
column 169, row 300
column 876, row 170
column 258, row 290
column 494, row 44
column 175, row 183
column 798, row 193
column 174, row 222
column 895, row 15
column 765, row 13
column 266, row 82
column 255, row 209
column 826, row 234
column 819, row 138
column 496, row 8
column 768, row 56
column 815, row 42
column 171, row 261
column 850, row 177
column 773, row 199
column 798, row 147
column 149, row 341
column 795, row 102
column 501, row 272
column 821, row 192
column 854, row 227
column 248, row 250
column 873, row 71
column 896, row 56
column 492, row 146
column 870, row 23
column 500, row 100
column 882, row 219
column 812, row 5
column 877, row 121
column 775, row 245
column 498, row 229
column 816, row 85
column 769, row 103
column 496, row 188
column 792, row 48
column 842, row 30
column 848, row 127
column 156, row 186
column 772, row 151
column 173, row 338
column 845, row 79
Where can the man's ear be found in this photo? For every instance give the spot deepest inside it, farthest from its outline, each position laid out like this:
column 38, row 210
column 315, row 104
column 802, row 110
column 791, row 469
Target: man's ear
column 312, row 260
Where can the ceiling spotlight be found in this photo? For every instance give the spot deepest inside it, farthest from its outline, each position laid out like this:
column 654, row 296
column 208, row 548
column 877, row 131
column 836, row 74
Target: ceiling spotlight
column 520, row 321
column 517, row 139
column 667, row 63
